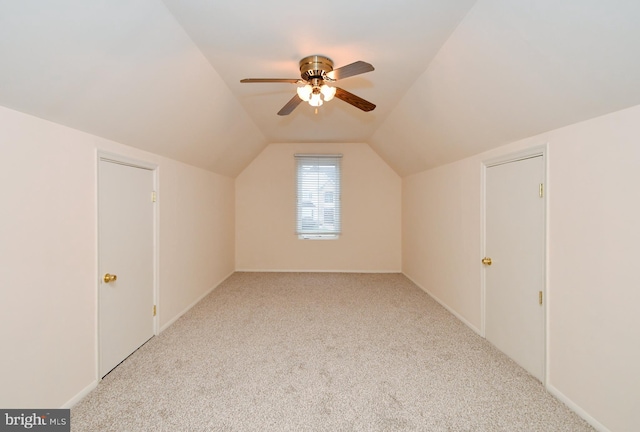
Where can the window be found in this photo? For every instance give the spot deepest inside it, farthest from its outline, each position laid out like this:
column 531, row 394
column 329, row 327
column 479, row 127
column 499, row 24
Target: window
column 329, row 216
column 318, row 196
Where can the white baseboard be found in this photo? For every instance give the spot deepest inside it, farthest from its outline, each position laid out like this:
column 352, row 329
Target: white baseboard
column 77, row 398
column 195, row 302
column 576, row 408
column 314, row 271
column 444, row 305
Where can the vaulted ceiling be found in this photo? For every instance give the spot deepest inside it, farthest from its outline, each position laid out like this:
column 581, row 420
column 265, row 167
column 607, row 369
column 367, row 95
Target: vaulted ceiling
column 452, row 77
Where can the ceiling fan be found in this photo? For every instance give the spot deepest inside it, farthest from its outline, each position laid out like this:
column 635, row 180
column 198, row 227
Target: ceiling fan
column 317, row 73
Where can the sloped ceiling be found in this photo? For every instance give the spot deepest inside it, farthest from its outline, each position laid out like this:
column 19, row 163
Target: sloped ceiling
column 126, row 71
column 511, row 70
column 452, row 78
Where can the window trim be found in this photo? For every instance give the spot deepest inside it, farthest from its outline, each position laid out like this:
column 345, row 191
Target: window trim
column 318, row 197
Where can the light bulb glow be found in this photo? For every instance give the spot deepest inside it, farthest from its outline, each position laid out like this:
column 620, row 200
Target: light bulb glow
column 315, row 100
column 328, row 92
column 304, row 93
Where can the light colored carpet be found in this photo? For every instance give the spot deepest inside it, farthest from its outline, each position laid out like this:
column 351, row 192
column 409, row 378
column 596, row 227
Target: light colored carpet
column 320, row 352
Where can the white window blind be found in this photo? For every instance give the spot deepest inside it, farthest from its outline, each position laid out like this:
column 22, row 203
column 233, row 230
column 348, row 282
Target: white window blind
column 318, row 195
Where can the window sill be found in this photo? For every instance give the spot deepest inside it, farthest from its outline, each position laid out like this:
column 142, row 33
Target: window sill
column 318, row 236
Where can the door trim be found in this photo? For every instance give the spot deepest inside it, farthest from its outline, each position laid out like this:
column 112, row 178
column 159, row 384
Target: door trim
column 103, row 156
column 531, row 152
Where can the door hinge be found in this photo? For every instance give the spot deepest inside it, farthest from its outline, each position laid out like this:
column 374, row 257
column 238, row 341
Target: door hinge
column 153, row 196
column 154, row 310
column 541, row 190
column 539, row 297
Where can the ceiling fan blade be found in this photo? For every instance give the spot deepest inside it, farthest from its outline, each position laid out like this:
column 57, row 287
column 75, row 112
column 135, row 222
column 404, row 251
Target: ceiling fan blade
column 272, row 80
column 354, row 100
column 290, row 106
column 350, row 70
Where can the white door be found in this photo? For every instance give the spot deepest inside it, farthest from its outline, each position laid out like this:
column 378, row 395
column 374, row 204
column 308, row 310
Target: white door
column 125, row 219
column 514, row 279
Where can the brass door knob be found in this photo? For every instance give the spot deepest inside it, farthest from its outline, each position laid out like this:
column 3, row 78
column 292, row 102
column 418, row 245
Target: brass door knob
column 486, row 261
column 110, row 278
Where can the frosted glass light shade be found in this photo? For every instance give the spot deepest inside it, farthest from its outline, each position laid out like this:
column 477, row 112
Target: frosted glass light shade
column 315, row 100
column 327, row 92
column 304, row 93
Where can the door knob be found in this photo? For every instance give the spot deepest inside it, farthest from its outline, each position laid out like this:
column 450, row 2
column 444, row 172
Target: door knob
column 486, row 261
column 110, row 278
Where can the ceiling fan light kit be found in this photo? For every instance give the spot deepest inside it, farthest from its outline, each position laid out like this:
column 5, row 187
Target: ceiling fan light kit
column 316, row 74
column 312, row 94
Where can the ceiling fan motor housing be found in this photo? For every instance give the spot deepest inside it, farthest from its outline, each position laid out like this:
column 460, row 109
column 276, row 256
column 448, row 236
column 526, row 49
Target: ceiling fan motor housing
column 315, row 67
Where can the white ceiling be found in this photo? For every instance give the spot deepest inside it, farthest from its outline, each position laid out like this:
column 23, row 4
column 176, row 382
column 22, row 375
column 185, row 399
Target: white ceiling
column 452, row 78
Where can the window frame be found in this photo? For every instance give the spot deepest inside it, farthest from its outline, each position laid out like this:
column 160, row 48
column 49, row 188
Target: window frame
column 318, row 174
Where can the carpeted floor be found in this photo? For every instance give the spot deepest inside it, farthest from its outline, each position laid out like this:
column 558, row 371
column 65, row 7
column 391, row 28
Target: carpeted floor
column 320, row 352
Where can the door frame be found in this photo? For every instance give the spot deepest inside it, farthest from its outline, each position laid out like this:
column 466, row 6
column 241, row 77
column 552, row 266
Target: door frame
column 103, row 156
column 531, row 152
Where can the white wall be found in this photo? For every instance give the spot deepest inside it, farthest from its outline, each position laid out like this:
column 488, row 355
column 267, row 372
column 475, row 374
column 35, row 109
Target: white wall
column 593, row 285
column 440, row 241
column 197, row 236
column 48, row 272
column 594, row 280
column 265, row 214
